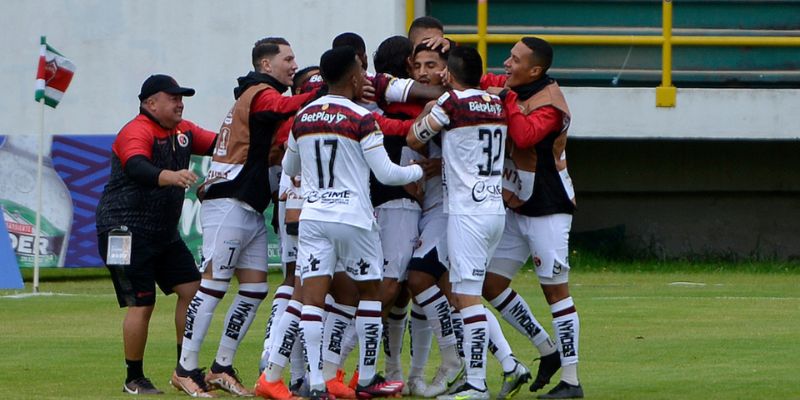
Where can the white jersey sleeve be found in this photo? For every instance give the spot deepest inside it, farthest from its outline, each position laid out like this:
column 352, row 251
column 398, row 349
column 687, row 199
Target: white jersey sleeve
column 398, row 89
column 291, row 158
column 384, row 169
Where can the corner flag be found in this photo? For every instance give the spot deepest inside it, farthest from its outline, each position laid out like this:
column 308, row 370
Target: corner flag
column 53, row 75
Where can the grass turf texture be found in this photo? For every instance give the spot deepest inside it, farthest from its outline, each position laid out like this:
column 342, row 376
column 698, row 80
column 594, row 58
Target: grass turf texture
column 697, row 331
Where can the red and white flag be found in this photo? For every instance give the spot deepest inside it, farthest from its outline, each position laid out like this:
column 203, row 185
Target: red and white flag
column 53, row 75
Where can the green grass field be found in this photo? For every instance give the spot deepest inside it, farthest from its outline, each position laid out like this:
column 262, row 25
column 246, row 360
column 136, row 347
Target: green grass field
column 705, row 331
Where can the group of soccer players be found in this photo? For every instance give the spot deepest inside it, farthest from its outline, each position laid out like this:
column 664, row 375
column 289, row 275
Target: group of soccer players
column 425, row 186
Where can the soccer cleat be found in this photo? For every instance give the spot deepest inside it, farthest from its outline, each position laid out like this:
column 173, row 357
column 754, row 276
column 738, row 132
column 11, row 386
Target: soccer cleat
column 273, row 390
column 320, row 395
column 227, row 380
column 300, row 388
column 444, row 379
column 465, row 392
column 563, row 391
column 513, row 381
column 353, row 379
column 379, row 387
column 191, row 382
column 548, row 365
column 416, row 386
column 140, row 386
column 338, row 389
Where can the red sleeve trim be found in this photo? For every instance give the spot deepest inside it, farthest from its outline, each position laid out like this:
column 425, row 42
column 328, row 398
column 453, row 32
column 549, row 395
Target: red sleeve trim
column 393, row 127
column 202, row 139
column 135, row 138
column 269, row 100
column 489, row 80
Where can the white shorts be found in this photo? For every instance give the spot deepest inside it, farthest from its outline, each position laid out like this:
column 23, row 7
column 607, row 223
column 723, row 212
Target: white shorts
column 471, row 241
column 399, row 233
column 546, row 238
column 325, row 247
column 433, row 234
column 234, row 236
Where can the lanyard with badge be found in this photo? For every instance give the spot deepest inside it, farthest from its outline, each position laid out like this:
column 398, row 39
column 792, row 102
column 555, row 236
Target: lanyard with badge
column 120, row 242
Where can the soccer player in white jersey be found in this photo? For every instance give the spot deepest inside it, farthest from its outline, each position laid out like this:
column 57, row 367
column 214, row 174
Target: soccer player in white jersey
column 473, row 129
column 335, row 143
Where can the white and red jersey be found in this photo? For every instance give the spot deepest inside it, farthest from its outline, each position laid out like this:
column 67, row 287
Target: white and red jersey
column 473, row 145
column 338, row 142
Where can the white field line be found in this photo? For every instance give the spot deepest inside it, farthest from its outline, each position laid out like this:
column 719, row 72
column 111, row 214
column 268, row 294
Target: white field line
column 613, row 298
column 51, row 294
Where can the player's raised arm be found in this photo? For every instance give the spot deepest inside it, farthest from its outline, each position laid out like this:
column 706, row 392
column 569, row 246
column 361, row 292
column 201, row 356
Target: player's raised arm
column 429, row 123
column 378, row 160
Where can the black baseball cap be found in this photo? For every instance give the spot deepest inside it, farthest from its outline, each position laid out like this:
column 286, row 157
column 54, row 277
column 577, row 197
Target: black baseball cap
column 162, row 83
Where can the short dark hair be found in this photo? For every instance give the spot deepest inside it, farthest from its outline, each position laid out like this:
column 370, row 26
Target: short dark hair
column 465, row 65
column 350, row 39
column 300, row 76
column 392, row 55
column 542, row 51
column 267, row 47
column 426, row 22
column 425, row 47
column 336, row 63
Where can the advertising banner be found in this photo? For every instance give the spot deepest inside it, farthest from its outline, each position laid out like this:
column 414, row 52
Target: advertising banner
column 75, row 171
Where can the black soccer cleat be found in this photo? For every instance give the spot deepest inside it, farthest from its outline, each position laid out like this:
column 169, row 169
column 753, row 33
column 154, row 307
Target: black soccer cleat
column 563, row 391
column 140, row 386
column 548, row 366
column 320, row 395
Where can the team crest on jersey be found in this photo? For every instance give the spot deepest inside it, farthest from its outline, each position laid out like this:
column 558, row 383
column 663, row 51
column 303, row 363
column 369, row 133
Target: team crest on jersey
column 325, row 106
column 486, row 97
column 183, row 140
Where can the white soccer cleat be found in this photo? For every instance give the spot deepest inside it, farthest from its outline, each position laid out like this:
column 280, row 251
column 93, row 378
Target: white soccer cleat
column 445, row 379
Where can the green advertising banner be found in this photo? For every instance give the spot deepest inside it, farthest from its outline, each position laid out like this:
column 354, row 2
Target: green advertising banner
column 191, row 229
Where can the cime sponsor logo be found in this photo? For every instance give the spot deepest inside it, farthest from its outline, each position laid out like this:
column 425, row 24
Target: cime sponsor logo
column 480, row 191
column 329, row 197
column 324, row 117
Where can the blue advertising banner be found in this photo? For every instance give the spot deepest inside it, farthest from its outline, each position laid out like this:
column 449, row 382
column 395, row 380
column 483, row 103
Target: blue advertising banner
column 74, row 175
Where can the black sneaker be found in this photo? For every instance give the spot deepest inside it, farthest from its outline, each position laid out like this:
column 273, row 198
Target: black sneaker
column 563, row 391
column 140, row 386
column 379, row 387
column 548, row 366
column 320, row 395
column 300, row 388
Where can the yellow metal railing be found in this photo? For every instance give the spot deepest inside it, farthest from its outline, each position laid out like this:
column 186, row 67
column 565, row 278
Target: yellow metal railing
column 665, row 92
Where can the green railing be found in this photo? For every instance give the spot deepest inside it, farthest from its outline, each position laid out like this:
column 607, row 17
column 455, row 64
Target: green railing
column 666, row 92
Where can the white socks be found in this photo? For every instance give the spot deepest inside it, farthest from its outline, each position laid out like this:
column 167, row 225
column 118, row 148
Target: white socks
column 240, row 315
column 311, row 325
column 421, row 333
column 198, row 318
column 516, row 312
column 286, row 334
column 475, row 344
column 567, row 331
column 370, row 330
column 393, row 348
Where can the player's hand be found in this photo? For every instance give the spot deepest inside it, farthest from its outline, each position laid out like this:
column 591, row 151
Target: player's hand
column 369, row 92
column 183, row 178
column 430, row 166
column 444, row 74
column 437, row 42
column 428, row 107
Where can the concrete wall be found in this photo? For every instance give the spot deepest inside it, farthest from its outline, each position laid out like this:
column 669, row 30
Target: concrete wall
column 204, row 44
column 730, row 190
